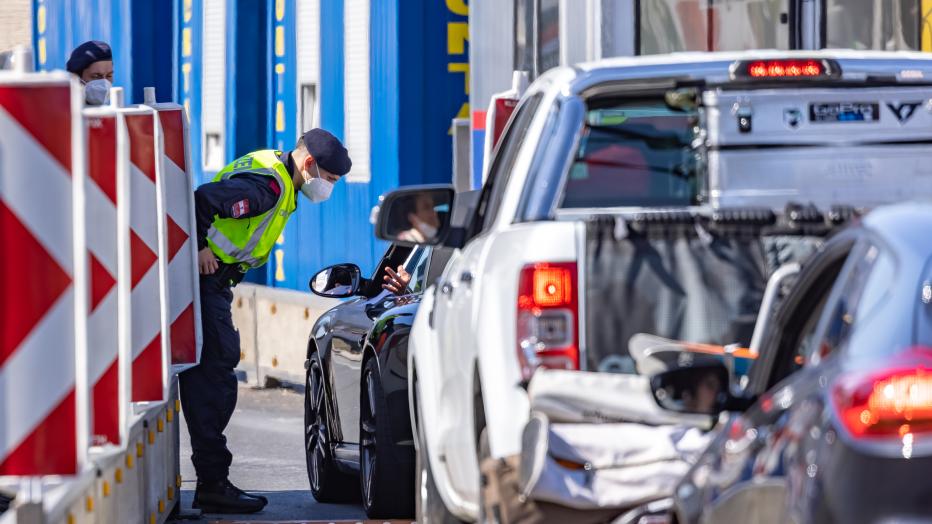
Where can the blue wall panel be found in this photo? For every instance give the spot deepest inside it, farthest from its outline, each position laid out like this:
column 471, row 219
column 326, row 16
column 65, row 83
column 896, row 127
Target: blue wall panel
column 433, row 85
column 331, row 66
column 151, row 48
column 282, row 111
column 385, row 107
column 139, row 32
column 248, row 80
column 188, row 30
column 246, row 77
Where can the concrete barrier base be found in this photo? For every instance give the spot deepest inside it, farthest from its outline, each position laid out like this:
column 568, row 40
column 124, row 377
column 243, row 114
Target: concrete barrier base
column 275, row 352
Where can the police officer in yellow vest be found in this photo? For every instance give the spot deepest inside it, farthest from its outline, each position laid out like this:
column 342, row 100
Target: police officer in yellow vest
column 240, row 215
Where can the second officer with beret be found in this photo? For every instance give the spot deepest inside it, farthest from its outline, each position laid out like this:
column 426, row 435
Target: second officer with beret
column 240, row 215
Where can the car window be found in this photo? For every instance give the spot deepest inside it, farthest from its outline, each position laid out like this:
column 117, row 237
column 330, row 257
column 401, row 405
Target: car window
column 503, row 163
column 394, row 256
column 862, row 289
column 796, row 320
column 634, row 153
column 416, row 266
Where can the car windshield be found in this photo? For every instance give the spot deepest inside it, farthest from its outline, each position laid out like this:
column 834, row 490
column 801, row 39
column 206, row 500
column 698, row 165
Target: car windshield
column 636, row 153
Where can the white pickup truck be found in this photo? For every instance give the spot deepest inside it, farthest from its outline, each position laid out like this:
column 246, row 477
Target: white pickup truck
column 596, row 153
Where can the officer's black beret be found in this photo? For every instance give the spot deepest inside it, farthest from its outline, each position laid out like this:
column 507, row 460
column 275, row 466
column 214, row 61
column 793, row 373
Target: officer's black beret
column 86, row 54
column 327, row 151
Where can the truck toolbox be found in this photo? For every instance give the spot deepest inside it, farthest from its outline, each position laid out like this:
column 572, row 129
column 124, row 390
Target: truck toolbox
column 863, row 146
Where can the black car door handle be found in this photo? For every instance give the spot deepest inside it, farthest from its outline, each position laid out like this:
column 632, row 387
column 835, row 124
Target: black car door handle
column 466, row 278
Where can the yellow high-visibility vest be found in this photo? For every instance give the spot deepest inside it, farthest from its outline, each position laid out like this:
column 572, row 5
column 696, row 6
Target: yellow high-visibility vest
column 248, row 241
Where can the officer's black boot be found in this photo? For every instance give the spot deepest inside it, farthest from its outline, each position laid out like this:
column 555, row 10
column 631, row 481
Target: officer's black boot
column 223, row 497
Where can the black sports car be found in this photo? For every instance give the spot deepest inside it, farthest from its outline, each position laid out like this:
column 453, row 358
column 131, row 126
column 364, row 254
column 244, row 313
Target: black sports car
column 357, row 425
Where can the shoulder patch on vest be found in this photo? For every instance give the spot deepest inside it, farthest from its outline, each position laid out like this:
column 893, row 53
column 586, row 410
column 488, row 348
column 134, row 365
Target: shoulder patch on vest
column 239, row 208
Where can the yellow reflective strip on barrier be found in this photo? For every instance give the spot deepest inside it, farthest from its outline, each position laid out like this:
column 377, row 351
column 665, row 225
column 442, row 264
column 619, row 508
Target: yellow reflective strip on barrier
column 178, row 482
column 89, row 504
column 118, row 475
column 161, row 506
column 169, row 415
column 177, row 405
column 70, row 518
column 152, row 518
column 151, row 437
column 139, row 449
column 171, row 493
column 106, row 489
column 160, row 425
column 129, row 461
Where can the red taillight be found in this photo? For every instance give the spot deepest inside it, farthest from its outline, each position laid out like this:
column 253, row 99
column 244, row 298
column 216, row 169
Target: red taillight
column 888, row 404
column 548, row 317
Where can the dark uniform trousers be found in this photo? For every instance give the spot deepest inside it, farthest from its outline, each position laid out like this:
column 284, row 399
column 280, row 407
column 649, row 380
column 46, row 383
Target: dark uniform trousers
column 208, row 390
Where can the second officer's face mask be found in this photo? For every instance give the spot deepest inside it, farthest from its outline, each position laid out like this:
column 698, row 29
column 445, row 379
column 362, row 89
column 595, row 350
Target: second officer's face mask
column 97, row 92
column 317, row 189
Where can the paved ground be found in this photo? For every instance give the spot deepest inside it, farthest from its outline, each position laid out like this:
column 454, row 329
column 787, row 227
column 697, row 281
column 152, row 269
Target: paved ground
column 268, row 447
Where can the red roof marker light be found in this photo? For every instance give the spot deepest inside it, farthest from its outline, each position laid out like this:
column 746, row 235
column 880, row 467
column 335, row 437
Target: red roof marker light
column 788, row 69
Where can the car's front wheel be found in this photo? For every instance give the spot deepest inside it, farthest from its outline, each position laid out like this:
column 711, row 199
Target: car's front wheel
column 386, row 475
column 328, row 484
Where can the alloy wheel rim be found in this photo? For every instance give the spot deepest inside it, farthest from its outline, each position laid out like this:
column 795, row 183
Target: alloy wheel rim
column 315, row 430
column 367, row 439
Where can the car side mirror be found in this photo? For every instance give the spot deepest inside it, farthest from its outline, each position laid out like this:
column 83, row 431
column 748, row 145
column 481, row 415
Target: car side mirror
column 417, row 215
column 696, row 389
column 339, row 281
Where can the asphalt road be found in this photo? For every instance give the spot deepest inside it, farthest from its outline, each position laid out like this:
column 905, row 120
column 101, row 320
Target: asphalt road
column 266, row 439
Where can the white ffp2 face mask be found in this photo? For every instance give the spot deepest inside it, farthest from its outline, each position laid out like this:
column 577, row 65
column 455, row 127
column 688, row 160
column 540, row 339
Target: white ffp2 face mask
column 428, row 230
column 317, row 189
column 97, row 92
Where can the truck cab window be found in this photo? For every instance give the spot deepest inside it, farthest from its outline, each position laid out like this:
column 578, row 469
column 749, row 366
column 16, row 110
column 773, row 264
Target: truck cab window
column 635, row 153
column 504, row 161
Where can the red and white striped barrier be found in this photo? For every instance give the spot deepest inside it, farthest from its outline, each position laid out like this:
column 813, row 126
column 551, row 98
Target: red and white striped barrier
column 107, row 229
column 148, row 265
column 100, row 280
column 43, row 307
column 183, row 284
